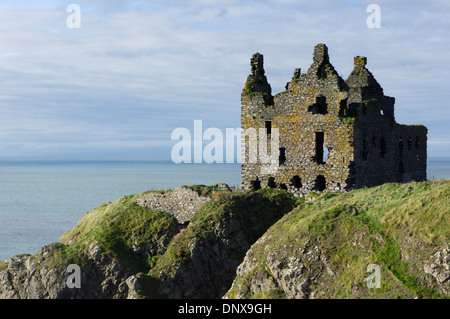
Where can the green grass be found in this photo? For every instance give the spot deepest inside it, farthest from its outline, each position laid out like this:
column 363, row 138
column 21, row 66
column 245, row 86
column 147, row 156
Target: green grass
column 396, row 226
column 115, row 228
column 3, row 265
column 249, row 88
column 379, row 225
column 255, row 211
column 350, row 118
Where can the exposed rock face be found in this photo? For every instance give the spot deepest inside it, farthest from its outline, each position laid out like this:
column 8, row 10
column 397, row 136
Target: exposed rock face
column 210, row 268
column 208, row 274
column 35, row 277
column 250, row 245
column 289, row 275
column 44, row 275
column 439, row 267
column 223, row 235
column 307, row 273
column 324, row 250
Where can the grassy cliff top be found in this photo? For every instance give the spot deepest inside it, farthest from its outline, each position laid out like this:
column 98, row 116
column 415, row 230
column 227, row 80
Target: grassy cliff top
column 281, row 244
column 399, row 227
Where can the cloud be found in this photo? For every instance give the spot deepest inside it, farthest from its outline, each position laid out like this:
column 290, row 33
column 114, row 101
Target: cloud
column 143, row 68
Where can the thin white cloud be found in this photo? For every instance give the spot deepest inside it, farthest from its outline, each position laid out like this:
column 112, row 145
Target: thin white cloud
column 141, row 64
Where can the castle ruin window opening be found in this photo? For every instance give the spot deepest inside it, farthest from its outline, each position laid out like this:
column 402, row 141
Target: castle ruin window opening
column 268, row 125
column 256, row 185
column 282, row 156
column 417, row 144
column 321, row 152
column 321, row 183
column 296, row 181
column 320, row 107
column 271, row 183
column 342, row 107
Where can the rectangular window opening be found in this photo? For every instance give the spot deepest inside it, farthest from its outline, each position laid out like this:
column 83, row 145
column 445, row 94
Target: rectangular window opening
column 321, row 151
column 282, row 157
column 268, row 127
column 320, row 107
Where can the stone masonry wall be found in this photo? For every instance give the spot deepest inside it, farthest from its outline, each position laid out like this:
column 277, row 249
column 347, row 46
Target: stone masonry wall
column 180, row 202
column 319, row 113
column 385, row 151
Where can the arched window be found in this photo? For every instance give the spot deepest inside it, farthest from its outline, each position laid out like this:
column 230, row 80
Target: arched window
column 282, row 157
column 256, row 185
column 296, row 181
column 321, row 183
column 271, row 183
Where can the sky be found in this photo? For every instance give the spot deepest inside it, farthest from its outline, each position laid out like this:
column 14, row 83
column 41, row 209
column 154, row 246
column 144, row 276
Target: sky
column 134, row 71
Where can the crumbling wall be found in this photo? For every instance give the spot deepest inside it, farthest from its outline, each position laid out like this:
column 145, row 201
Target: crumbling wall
column 306, row 114
column 384, row 150
column 334, row 135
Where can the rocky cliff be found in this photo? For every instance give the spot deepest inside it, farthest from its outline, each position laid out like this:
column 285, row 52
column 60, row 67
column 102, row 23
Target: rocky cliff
column 211, row 242
column 330, row 248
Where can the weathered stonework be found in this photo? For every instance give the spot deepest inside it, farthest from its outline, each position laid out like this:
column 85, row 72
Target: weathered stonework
column 319, row 112
column 180, row 202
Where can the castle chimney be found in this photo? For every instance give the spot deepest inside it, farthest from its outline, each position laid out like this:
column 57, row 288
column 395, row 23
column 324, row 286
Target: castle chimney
column 257, row 64
column 360, row 61
column 257, row 81
column 320, row 53
column 297, row 73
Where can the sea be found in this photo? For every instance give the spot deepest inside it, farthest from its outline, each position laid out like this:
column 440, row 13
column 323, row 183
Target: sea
column 42, row 199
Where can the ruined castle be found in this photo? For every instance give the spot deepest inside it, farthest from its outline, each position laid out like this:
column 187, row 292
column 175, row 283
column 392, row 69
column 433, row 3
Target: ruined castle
column 334, row 135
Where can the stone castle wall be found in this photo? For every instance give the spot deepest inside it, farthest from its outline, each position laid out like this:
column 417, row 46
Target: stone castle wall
column 180, row 202
column 334, row 135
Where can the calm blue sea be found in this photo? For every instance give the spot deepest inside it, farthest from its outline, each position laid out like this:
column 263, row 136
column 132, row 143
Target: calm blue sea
column 40, row 200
